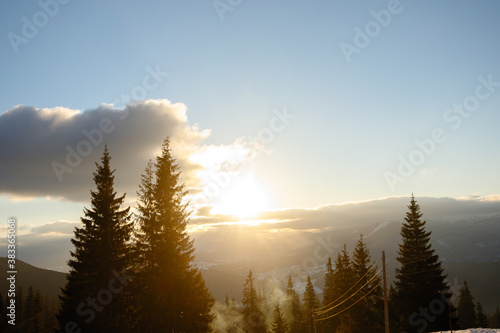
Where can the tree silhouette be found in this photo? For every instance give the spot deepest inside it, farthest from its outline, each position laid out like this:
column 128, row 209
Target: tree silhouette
column 481, row 319
column 494, row 319
column 466, row 308
column 171, row 292
column 329, row 296
column 367, row 315
column 420, row 279
column 253, row 317
column 294, row 308
column 311, row 302
column 279, row 324
column 102, row 252
column 344, row 280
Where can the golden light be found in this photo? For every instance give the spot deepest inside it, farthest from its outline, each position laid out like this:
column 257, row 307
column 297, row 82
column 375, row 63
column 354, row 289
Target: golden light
column 244, row 198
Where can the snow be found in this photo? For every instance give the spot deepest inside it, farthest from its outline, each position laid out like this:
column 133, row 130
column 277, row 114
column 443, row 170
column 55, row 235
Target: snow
column 475, row 330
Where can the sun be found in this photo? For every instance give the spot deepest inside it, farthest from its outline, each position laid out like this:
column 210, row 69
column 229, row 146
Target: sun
column 243, row 198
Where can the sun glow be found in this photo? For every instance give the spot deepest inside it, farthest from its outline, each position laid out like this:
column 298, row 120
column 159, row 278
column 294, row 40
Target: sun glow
column 244, row 199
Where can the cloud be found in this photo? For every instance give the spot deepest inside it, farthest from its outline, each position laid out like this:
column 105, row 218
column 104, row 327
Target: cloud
column 52, row 152
column 361, row 214
column 45, row 246
column 59, row 228
column 279, row 231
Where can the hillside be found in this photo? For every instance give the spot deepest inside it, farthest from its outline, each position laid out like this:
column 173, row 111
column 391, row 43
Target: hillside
column 48, row 282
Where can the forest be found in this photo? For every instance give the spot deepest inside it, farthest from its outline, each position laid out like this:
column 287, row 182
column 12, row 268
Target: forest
column 132, row 270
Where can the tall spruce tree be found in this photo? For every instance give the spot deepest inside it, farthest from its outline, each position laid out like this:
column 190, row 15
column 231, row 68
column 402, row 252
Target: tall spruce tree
column 253, row 317
column 466, row 308
column 367, row 315
column 494, row 319
column 19, row 304
column 329, row 296
column 102, row 253
column 171, row 292
column 311, row 303
column 294, row 308
column 481, row 319
column 420, row 279
column 279, row 324
column 344, row 280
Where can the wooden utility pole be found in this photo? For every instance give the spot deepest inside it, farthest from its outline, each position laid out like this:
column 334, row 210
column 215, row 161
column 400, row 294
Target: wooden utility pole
column 386, row 301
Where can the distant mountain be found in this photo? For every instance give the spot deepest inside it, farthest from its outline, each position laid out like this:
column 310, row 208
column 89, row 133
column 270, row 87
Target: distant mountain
column 297, row 242
column 48, row 282
column 468, row 248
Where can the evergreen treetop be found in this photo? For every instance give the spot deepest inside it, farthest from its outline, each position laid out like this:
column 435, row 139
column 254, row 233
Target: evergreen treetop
column 311, row 303
column 171, row 292
column 420, row 278
column 466, row 308
column 252, row 314
column 294, row 308
column 279, row 324
column 102, row 249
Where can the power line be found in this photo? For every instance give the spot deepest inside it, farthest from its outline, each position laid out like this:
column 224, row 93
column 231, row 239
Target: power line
column 369, row 269
column 336, row 314
column 325, row 311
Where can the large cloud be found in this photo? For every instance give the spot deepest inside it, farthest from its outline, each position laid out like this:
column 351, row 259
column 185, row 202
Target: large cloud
column 51, row 152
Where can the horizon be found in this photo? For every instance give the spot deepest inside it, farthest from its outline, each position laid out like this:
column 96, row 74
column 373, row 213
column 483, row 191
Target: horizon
column 288, row 121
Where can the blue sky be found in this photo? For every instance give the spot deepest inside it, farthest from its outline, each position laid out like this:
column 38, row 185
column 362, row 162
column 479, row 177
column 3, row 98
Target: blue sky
column 352, row 119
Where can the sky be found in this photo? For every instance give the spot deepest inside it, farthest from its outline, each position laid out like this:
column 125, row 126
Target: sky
column 270, row 105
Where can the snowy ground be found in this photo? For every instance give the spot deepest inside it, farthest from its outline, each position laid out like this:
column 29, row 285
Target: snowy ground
column 475, row 330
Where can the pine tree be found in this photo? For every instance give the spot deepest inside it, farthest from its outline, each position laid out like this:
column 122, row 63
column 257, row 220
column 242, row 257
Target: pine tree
column 481, row 319
column 466, row 308
column 19, row 305
column 29, row 311
column 38, row 322
column 494, row 319
column 420, row 279
column 367, row 315
column 171, row 292
column 253, row 317
column 279, row 324
column 102, row 253
column 329, row 296
column 294, row 308
column 311, row 303
column 33, row 318
column 344, row 280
